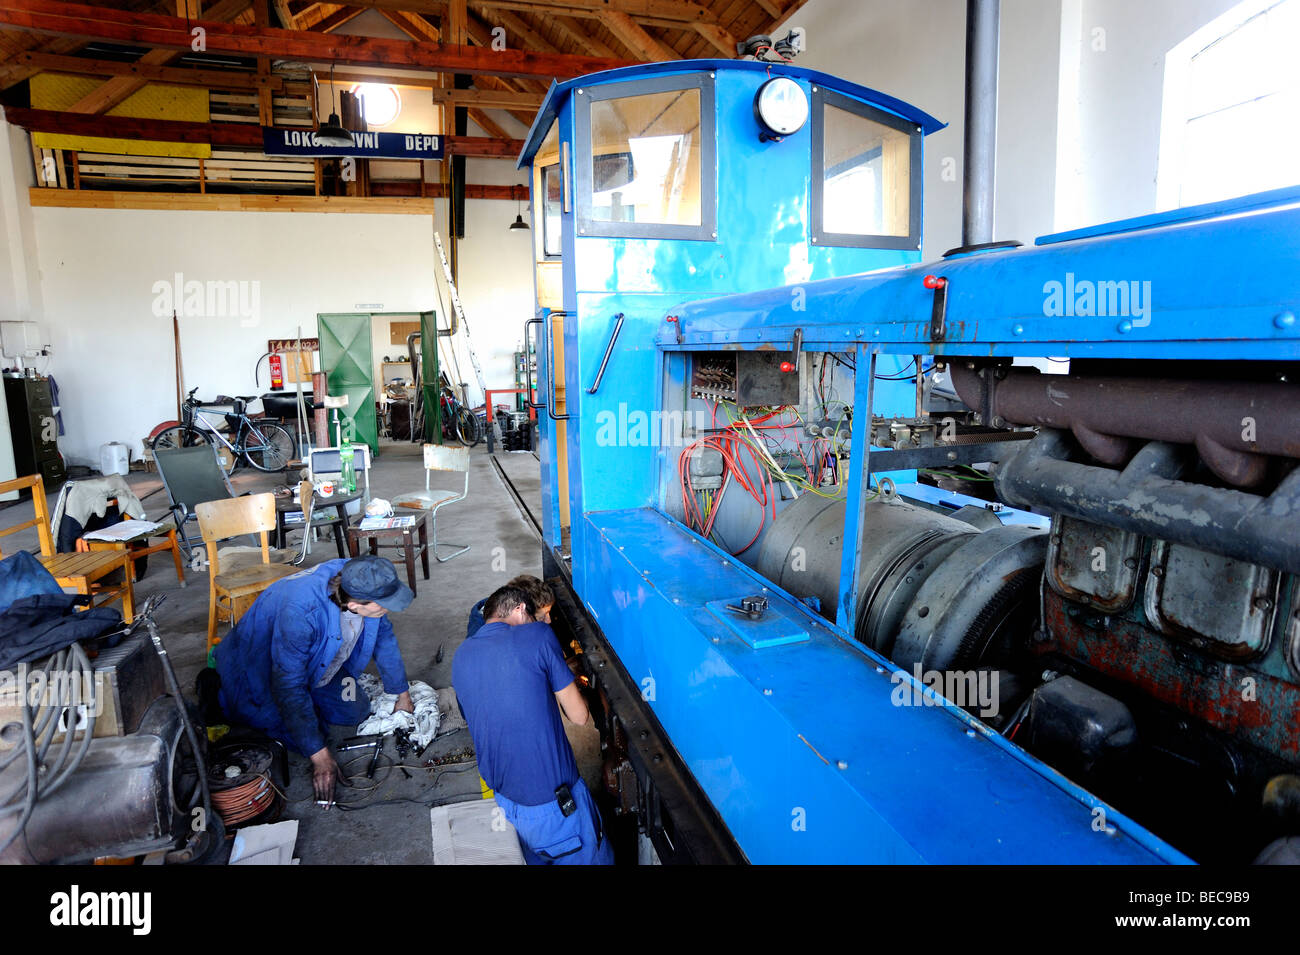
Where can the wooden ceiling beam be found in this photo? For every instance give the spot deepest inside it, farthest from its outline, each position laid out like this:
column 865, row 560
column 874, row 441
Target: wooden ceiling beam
column 225, row 10
column 656, row 12
column 575, row 34
column 176, row 76
column 246, row 135
column 481, row 34
column 337, row 19
column 632, row 36
column 457, row 21
column 496, row 84
column 722, row 40
column 525, row 34
column 771, row 8
column 72, row 19
column 413, row 25
column 678, row 11
column 488, row 99
column 113, row 92
column 288, row 19
column 439, row 190
column 488, row 124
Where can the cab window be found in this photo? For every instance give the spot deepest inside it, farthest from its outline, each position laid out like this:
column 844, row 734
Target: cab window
column 866, row 175
column 645, row 159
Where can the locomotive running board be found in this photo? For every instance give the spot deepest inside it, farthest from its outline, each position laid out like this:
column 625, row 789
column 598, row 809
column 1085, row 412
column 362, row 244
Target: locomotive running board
column 673, row 811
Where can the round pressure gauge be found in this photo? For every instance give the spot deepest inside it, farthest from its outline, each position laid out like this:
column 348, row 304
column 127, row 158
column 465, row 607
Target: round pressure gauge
column 781, row 107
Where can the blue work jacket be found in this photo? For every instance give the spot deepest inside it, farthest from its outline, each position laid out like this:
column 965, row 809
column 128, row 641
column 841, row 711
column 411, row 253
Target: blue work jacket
column 282, row 647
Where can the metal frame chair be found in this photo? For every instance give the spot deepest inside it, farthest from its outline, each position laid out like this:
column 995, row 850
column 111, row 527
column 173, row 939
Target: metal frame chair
column 191, row 476
column 439, row 457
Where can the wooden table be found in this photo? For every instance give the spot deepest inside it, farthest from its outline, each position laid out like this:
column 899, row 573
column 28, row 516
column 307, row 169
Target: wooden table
column 337, row 500
column 403, row 537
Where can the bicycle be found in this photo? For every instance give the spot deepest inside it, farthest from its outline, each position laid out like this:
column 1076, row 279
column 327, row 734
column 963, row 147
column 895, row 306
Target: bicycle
column 458, row 421
column 265, row 445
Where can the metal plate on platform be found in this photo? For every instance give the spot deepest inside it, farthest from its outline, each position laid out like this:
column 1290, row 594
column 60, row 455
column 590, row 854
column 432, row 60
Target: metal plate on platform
column 773, row 629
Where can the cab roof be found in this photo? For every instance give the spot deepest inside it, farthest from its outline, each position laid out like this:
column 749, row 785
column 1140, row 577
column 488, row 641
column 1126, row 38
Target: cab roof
column 559, row 91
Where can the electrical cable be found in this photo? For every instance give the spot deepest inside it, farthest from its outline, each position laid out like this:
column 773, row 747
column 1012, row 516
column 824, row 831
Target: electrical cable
column 247, row 801
column 75, row 673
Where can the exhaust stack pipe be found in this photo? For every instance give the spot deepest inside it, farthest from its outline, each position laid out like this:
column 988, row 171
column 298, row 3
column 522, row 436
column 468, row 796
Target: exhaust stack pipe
column 982, row 17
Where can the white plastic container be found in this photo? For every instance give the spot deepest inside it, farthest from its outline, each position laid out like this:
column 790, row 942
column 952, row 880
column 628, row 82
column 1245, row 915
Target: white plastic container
column 114, row 458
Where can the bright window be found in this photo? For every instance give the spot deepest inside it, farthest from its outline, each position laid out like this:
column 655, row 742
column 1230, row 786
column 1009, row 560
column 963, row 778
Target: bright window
column 865, row 175
column 1232, row 99
column 866, row 168
column 551, row 211
column 380, row 103
column 645, row 163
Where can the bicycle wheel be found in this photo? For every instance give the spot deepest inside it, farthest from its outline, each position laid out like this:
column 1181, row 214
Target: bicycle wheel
column 182, row 437
column 467, row 428
column 179, row 436
column 268, row 447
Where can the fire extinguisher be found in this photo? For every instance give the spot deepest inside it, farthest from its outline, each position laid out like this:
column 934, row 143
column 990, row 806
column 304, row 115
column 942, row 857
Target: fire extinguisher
column 277, row 373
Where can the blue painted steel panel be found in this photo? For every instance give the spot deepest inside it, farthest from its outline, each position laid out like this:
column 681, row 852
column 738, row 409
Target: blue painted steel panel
column 775, row 628
column 1206, row 210
column 1225, row 287
column 765, row 731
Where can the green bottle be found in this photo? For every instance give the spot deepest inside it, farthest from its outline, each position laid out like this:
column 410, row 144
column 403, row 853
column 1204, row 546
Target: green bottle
column 348, row 477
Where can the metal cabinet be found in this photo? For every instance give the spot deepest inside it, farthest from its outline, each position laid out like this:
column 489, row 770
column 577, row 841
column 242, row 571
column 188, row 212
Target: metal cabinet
column 35, row 431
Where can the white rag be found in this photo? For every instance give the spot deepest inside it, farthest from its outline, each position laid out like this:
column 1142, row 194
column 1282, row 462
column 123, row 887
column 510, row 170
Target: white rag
column 423, row 724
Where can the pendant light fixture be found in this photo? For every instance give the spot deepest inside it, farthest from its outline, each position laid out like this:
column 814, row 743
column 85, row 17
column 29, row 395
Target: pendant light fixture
column 519, row 222
column 332, row 132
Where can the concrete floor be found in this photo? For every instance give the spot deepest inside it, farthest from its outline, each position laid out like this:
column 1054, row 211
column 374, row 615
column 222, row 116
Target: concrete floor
column 394, row 826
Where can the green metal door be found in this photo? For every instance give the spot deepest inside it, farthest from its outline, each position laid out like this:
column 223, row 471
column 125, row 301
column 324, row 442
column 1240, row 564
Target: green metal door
column 348, row 362
column 429, row 377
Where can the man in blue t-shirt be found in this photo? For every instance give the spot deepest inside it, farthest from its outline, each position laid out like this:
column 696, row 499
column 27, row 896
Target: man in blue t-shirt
column 509, row 677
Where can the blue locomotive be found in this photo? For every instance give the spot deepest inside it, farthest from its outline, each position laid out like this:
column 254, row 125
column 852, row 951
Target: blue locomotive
column 990, row 559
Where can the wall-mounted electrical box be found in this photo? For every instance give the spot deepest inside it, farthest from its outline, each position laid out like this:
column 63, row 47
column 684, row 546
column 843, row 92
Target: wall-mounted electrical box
column 20, row 339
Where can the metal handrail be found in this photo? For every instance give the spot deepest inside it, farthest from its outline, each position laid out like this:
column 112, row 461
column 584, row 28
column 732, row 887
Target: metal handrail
column 609, row 350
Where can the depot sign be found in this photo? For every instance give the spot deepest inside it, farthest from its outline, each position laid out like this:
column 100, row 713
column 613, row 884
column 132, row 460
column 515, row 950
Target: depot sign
column 302, row 142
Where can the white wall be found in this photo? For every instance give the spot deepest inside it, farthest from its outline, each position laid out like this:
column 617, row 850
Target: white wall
column 1080, row 95
column 1120, row 48
column 88, row 276
column 113, row 354
column 916, row 51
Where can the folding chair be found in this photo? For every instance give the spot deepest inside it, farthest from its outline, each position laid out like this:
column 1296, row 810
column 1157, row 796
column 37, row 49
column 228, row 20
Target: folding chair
column 439, row 458
column 191, row 476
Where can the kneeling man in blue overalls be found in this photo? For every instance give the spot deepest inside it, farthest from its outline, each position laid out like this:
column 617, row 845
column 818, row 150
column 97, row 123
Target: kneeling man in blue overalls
column 291, row 663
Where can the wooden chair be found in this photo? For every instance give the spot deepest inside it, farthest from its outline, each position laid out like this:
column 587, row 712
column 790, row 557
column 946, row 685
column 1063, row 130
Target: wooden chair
column 232, row 593
column 439, row 458
column 84, row 573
